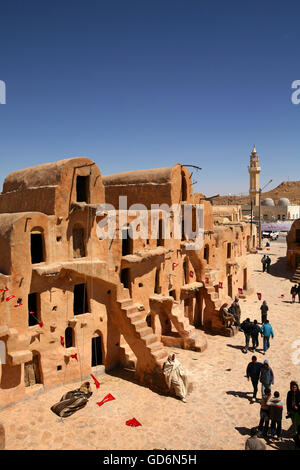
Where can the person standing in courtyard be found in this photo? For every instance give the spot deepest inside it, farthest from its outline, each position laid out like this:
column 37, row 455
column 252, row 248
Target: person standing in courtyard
column 275, row 413
column 246, row 327
column 293, row 405
column 298, row 291
column 294, row 291
column 263, row 262
column 254, row 335
column 266, row 377
column 253, row 443
column 264, row 311
column 266, row 331
column 236, row 310
column 268, row 263
column 253, row 372
column 263, row 426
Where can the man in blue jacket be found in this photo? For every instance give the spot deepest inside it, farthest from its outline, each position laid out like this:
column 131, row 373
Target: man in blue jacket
column 252, row 372
column 266, row 377
column 266, row 332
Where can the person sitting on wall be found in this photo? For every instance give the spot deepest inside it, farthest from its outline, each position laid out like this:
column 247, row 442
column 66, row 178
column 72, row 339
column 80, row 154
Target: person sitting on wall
column 72, row 401
column 228, row 318
column 176, row 377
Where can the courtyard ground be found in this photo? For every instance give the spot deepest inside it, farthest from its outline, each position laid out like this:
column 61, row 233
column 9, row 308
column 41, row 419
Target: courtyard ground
column 218, row 413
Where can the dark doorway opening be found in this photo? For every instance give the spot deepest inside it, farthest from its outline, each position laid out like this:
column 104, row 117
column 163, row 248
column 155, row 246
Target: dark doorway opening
column 78, row 243
column 228, row 250
column 37, row 248
column 183, row 187
column 33, row 309
column 97, row 351
column 206, row 253
column 81, row 304
column 126, row 242
column 160, row 238
column 230, row 286
column 32, row 371
column 82, row 188
column 172, row 293
column 125, row 278
column 157, row 286
column 69, row 337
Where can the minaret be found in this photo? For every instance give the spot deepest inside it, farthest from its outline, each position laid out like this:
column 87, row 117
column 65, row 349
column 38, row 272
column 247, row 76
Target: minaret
column 254, row 171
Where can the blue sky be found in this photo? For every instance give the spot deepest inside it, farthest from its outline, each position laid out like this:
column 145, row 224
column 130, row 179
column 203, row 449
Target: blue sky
column 138, row 84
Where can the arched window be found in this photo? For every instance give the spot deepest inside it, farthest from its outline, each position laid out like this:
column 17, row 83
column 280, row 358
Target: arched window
column 69, row 337
column 37, row 246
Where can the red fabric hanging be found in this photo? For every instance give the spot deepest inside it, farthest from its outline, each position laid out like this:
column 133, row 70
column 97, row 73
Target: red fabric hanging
column 4, row 290
column 96, row 381
column 259, row 295
column 133, row 422
column 62, row 341
column 108, row 397
column 41, row 324
column 74, row 356
column 10, row 297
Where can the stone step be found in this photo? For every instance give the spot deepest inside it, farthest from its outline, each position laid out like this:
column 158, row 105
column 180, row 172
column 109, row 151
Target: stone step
column 156, row 346
column 141, row 326
column 134, row 316
column 125, row 302
column 130, row 309
column 144, row 331
column 160, row 354
column 150, row 338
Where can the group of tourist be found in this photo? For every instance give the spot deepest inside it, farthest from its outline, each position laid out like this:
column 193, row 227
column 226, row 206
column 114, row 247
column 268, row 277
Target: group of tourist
column 271, row 407
column 266, row 263
column 252, row 330
column 295, row 290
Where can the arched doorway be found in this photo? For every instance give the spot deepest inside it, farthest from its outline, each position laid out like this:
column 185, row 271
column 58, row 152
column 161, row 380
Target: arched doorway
column 32, row 370
column 97, row 349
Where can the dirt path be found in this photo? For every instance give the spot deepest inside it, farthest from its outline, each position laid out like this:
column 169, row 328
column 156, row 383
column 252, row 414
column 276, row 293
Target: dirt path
column 218, row 414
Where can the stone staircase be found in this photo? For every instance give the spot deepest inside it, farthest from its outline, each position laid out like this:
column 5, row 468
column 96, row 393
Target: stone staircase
column 192, row 339
column 146, row 347
column 296, row 276
column 213, row 304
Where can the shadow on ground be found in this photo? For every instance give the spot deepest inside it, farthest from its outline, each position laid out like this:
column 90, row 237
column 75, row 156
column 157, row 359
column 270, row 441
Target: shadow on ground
column 247, row 395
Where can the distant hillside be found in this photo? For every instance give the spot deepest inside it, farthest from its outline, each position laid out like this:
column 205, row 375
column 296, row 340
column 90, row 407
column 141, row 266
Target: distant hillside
column 288, row 189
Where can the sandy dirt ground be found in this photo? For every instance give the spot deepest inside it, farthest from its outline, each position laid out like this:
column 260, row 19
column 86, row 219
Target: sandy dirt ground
column 218, row 413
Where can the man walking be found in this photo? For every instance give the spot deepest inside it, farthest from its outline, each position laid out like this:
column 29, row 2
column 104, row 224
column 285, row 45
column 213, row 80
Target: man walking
column 275, row 414
column 266, row 331
column 253, row 443
column 266, row 377
column 246, row 327
column 254, row 335
column 264, row 414
column 253, row 372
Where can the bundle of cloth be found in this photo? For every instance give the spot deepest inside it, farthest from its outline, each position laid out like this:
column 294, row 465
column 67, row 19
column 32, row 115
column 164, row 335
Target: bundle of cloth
column 72, row 401
column 176, row 377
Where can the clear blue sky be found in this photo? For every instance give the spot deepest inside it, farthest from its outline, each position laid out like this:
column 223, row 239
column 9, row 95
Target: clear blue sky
column 138, row 84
